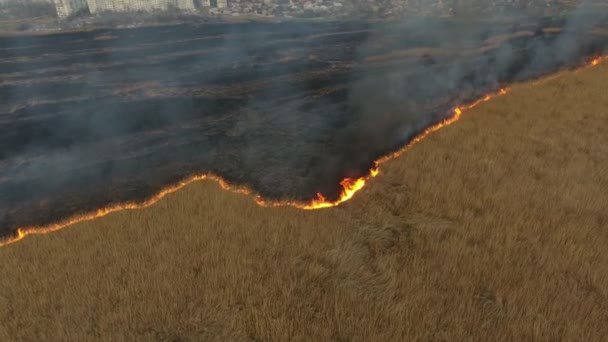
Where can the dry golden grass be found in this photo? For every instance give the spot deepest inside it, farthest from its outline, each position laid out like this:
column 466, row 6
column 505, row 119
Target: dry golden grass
column 494, row 228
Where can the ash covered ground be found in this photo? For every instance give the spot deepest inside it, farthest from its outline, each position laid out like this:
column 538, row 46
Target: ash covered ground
column 289, row 109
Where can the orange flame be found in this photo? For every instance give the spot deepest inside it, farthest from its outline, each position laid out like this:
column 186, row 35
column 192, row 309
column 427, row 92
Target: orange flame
column 597, row 60
column 349, row 186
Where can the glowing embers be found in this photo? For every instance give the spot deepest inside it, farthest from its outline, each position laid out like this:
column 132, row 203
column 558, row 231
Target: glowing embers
column 598, row 60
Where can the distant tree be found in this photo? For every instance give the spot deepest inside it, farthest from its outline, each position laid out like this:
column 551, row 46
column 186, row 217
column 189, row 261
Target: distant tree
column 83, row 12
column 204, row 10
column 172, row 8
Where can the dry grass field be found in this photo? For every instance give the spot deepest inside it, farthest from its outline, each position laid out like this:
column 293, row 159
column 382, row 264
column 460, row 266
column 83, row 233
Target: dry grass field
column 495, row 228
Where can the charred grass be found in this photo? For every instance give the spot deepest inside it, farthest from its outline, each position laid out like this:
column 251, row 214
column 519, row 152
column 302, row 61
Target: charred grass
column 494, row 228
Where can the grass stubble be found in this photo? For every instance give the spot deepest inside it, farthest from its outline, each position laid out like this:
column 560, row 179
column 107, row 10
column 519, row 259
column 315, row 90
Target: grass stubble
column 494, row 228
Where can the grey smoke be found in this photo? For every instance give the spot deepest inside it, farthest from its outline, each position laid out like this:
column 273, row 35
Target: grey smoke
column 231, row 108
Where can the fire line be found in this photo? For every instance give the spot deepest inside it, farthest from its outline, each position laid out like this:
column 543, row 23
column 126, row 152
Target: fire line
column 349, row 186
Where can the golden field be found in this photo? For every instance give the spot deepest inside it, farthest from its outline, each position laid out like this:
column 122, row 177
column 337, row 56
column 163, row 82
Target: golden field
column 494, row 228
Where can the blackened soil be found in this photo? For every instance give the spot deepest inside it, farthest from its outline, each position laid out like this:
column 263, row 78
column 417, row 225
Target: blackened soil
column 88, row 119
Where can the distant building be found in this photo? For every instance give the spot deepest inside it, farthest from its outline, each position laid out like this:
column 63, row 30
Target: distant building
column 99, row 6
column 67, row 7
column 185, row 5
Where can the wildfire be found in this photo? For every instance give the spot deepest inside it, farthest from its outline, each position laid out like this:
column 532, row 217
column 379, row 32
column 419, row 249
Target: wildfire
column 349, row 186
column 597, row 60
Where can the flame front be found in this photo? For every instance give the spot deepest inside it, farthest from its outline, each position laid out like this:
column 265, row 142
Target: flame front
column 349, row 186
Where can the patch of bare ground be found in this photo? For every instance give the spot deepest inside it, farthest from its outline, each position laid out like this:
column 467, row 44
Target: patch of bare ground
column 494, row 228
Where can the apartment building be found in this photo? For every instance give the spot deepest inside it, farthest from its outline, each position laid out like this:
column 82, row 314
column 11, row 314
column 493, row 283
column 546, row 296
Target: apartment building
column 99, row 6
column 67, row 7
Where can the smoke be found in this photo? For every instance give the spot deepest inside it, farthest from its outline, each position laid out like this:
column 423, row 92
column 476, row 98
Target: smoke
column 290, row 108
column 455, row 62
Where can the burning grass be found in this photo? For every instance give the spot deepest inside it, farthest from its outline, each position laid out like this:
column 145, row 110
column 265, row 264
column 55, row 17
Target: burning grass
column 198, row 101
column 349, row 186
column 492, row 229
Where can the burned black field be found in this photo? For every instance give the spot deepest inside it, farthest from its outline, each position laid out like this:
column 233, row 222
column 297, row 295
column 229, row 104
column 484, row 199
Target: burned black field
column 288, row 109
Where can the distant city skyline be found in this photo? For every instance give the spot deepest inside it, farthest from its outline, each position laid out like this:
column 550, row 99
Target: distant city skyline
column 67, row 7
